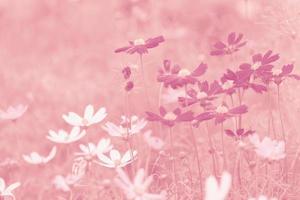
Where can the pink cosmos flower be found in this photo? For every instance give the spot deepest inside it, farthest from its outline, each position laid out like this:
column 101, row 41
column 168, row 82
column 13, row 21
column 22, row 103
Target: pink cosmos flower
column 138, row 188
column 233, row 44
column 183, row 76
column 7, row 191
column 239, row 133
column 170, row 118
column 36, row 159
column 215, row 191
column 13, row 112
column 141, row 46
column 166, row 71
column 267, row 148
column 261, row 65
column 279, row 75
column 221, row 113
column 206, row 93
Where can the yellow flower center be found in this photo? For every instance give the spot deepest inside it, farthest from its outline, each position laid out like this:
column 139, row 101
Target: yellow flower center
column 139, row 41
column 170, row 116
column 222, row 109
column 184, row 72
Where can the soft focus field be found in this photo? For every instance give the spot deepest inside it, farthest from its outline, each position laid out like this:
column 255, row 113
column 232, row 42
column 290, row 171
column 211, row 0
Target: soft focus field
column 57, row 56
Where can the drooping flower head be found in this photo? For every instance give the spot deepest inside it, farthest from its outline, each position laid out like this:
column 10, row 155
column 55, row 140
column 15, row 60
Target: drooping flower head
column 141, row 46
column 116, row 160
column 170, row 118
column 234, row 43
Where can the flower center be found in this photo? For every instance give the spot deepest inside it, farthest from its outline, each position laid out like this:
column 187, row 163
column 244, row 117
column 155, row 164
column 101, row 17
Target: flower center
column 184, row 72
column 84, row 122
column 222, row 109
column 170, row 116
column 226, row 85
column 139, row 191
column 201, row 95
column 117, row 162
column 256, row 65
column 139, row 41
column 276, row 72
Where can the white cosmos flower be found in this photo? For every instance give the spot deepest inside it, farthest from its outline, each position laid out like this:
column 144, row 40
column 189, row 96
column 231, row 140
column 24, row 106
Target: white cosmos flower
column 138, row 188
column 115, row 159
column 64, row 137
column 262, row 197
column 268, row 148
column 154, row 142
column 65, row 183
column 7, row 191
column 90, row 150
column 36, row 159
column 89, row 118
column 13, row 112
column 127, row 127
column 215, row 191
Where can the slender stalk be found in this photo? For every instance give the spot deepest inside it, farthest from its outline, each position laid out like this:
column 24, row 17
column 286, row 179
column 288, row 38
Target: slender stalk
column 211, row 146
column 173, row 163
column 127, row 117
column 280, row 114
column 223, row 148
column 144, row 80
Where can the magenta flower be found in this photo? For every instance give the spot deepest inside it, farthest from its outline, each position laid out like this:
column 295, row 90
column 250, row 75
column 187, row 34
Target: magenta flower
column 207, row 92
column 278, row 75
column 261, row 64
column 239, row 133
column 170, row 118
column 183, row 76
column 221, row 113
column 166, row 71
column 141, row 46
column 233, row 44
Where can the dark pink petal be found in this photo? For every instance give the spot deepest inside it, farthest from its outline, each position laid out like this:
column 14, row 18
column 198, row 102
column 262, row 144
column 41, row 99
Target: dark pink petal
column 267, row 58
column 220, row 118
column 229, row 133
column 122, row 49
column 186, row 101
column 257, row 58
column 231, row 38
column 192, row 93
column 245, row 66
column 219, row 45
column 258, row 88
column 240, row 131
column 204, row 86
column 200, row 70
column 217, row 53
column 167, row 65
column 295, row 76
column 177, row 111
column 204, row 116
column 153, row 42
column 162, row 111
column 239, row 38
column 152, row 116
column 239, row 110
column 241, row 44
column 175, row 69
column 230, row 75
column 287, row 69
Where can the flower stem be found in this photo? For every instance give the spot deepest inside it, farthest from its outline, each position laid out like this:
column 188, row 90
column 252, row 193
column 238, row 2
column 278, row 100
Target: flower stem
column 144, row 80
column 223, row 148
column 280, row 114
column 212, row 149
column 173, row 162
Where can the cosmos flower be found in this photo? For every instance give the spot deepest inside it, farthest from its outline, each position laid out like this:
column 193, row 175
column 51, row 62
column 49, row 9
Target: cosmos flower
column 215, row 191
column 233, row 44
column 279, row 75
column 154, row 142
column 239, row 133
column 141, row 46
column 167, row 70
column 221, row 113
column 183, row 76
column 272, row 150
column 36, row 159
column 128, row 127
column 262, row 197
column 65, row 183
column 261, row 66
column 13, row 112
column 138, row 188
column 206, row 92
column 64, row 137
column 170, row 118
column 115, row 160
column 88, row 119
column 91, row 150
column 7, row 191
